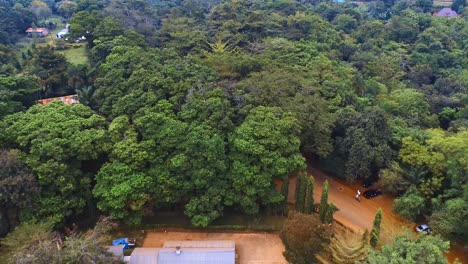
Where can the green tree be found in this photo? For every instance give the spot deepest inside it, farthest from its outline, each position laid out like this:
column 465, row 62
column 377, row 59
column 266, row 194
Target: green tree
column 83, row 24
column 375, row 233
column 58, row 142
column 50, row 67
column 309, row 197
column 304, row 237
column 330, row 211
column 40, row 9
column 448, row 220
column 37, row 243
column 18, row 187
column 324, row 202
column 122, row 192
column 301, row 191
column 411, row 205
column 407, row 249
column 264, row 147
column 363, row 140
column 66, row 8
column 18, row 93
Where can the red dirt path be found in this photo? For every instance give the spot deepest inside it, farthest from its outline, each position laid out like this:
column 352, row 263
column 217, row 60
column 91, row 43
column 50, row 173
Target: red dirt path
column 360, row 215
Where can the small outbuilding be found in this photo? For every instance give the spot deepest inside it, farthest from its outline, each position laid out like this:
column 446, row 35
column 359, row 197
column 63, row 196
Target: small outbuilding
column 37, row 32
column 446, row 12
column 187, row 252
column 68, row 100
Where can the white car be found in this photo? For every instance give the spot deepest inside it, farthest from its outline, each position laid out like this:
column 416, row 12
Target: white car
column 423, row 228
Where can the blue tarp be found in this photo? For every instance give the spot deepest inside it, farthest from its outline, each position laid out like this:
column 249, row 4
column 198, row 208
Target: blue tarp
column 121, row 241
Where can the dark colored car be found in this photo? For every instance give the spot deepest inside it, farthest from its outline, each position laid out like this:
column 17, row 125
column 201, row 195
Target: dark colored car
column 371, row 193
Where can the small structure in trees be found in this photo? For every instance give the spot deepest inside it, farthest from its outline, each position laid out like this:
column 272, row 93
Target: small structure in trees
column 446, row 12
column 68, row 100
column 37, row 32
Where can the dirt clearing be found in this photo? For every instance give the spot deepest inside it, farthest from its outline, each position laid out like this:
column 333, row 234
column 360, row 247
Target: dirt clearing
column 251, row 248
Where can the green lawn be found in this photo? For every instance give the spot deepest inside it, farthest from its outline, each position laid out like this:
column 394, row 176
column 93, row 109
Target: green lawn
column 75, row 54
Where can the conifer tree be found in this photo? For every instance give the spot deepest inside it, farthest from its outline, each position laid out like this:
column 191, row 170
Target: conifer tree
column 301, row 191
column 375, row 233
column 331, row 209
column 324, row 202
column 309, row 198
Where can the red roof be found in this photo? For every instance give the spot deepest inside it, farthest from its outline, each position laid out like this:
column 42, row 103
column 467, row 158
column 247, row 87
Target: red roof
column 30, row 30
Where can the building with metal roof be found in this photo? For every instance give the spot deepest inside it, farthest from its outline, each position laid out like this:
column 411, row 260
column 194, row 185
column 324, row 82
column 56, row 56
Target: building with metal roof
column 446, row 12
column 117, row 251
column 144, row 256
column 197, row 256
column 200, row 244
column 187, row 252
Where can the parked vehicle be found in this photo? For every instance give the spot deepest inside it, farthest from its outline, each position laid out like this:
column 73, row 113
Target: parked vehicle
column 126, row 242
column 371, row 193
column 423, row 228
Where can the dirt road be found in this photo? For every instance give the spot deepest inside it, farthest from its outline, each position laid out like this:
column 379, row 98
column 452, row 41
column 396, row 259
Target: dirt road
column 360, row 215
column 251, row 248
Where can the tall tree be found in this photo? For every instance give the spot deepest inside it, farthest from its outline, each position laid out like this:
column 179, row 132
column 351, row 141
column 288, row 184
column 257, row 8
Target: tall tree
column 323, row 211
column 375, row 233
column 309, row 198
column 18, row 187
column 304, row 238
column 60, row 144
column 301, row 189
column 264, row 147
column 330, row 211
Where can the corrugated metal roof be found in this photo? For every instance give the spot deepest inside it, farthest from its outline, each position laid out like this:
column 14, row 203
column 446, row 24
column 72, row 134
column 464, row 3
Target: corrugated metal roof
column 31, row 30
column 144, row 256
column 68, row 100
column 197, row 256
column 116, row 250
column 200, row 244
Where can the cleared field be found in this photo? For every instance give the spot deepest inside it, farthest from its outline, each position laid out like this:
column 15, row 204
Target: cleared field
column 76, row 54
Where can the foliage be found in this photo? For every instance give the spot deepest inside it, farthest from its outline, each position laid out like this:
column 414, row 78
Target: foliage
column 347, row 248
column 56, row 142
column 406, row 249
column 17, row 93
column 18, row 186
column 411, row 205
column 301, row 191
column 309, row 197
column 448, row 220
column 37, row 243
column 375, row 233
column 304, row 236
column 324, row 207
column 50, row 67
column 264, row 147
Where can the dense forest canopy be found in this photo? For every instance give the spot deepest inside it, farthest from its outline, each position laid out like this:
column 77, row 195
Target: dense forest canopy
column 203, row 106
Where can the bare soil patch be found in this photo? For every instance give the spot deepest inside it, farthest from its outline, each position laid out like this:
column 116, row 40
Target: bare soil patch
column 251, row 248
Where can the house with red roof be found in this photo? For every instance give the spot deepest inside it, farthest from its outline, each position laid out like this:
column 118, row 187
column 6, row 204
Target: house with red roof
column 37, row 32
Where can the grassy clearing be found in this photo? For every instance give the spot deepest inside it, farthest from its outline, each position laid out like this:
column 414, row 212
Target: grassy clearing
column 75, row 54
